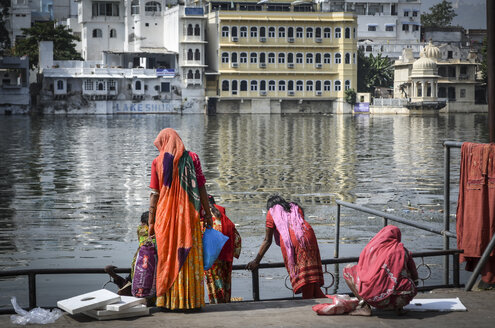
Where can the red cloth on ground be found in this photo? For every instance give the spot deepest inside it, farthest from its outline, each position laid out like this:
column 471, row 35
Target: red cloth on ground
column 228, row 229
column 308, row 260
column 476, row 206
column 200, row 178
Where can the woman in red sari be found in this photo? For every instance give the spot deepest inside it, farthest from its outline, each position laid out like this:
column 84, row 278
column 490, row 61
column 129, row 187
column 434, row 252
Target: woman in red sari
column 298, row 244
column 385, row 276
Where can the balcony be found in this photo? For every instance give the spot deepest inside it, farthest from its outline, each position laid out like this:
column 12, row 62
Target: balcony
column 234, row 65
column 290, row 40
column 290, row 93
column 290, row 65
column 318, row 65
column 235, row 39
column 262, row 93
column 262, row 39
column 262, row 65
column 318, row 93
column 318, row 40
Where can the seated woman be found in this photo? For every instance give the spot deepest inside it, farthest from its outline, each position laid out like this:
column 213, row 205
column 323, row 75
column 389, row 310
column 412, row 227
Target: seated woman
column 299, row 246
column 385, row 276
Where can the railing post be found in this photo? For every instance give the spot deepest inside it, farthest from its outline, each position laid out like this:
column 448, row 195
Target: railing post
column 256, row 284
column 455, row 258
column 481, row 264
column 385, row 222
column 337, row 233
column 446, row 211
column 32, row 290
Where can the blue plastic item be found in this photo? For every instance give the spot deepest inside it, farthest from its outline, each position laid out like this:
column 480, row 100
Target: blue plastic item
column 213, row 242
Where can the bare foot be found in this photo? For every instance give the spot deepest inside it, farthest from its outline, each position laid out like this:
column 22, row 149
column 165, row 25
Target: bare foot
column 362, row 309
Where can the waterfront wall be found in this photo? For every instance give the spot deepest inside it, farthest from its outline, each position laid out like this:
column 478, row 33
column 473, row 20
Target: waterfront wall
column 281, row 106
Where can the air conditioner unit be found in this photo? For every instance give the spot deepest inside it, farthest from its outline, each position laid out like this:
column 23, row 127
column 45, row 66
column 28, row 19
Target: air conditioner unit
column 290, row 40
column 318, row 65
column 235, row 65
column 318, row 93
column 262, row 93
column 318, row 40
column 262, row 65
column 235, row 39
column 290, row 93
column 262, row 39
column 234, row 92
column 290, row 65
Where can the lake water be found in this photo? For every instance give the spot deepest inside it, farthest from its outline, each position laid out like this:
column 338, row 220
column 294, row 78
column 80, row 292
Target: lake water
column 72, row 188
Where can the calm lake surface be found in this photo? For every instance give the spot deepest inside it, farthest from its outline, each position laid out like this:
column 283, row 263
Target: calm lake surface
column 72, row 188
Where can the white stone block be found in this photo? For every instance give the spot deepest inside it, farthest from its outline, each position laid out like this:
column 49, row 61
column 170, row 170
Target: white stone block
column 125, row 303
column 136, row 311
column 88, row 301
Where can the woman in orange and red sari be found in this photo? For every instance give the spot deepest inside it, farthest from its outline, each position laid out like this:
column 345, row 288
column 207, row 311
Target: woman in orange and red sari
column 298, row 243
column 177, row 194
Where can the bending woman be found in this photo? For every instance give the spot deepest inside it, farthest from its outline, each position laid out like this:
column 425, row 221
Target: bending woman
column 298, row 244
column 385, row 276
column 177, row 193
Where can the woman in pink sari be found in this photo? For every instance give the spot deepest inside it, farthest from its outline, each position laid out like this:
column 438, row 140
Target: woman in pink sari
column 298, row 244
column 385, row 276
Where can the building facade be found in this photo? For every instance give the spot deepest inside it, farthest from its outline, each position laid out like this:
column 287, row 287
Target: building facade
column 277, row 57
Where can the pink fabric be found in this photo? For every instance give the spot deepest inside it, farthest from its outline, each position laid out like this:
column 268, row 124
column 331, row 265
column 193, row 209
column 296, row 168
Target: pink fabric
column 380, row 265
column 284, row 222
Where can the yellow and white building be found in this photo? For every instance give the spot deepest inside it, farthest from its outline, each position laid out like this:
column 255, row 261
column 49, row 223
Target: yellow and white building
column 277, row 56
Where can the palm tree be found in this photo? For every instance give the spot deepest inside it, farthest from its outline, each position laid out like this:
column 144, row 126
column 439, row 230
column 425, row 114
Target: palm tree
column 381, row 72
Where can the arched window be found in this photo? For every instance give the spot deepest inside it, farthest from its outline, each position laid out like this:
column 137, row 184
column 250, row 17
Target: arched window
column 243, row 33
column 190, row 74
column 281, row 85
column 233, row 31
column 60, row 85
column 347, row 85
column 225, row 57
column 254, row 32
column 262, row 85
column 299, row 32
column 337, row 85
column 197, row 75
column 281, row 32
column 271, row 32
column 309, row 85
column 318, row 58
column 225, row 85
column 369, row 48
column 299, row 85
column 100, row 85
column 137, row 85
column 253, row 58
column 309, row 58
column 243, row 85
column 197, row 55
column 243, row 58
column 347, row 58
column 318, row 32
column 262, row 57
column 97, row 33
column 327, row 58
column 225, row 32
column 290, row 85
column 234, row 87
column 299, row 58
column 347, row 33
column 309, row 32
column 190, row 29
column 290, row 32
column 234, row 57
column 327, row 86
column 254, row 85
column 290, row 58
column 271, row 58
column 113, row 33
column 262, row 32
column 318, row 85
column 281, row 58
column 152, row 6
column 338, row 58
column 197, row 30
column 338, row 32
column 327, row 33
column 271, row 85
column 190, row 54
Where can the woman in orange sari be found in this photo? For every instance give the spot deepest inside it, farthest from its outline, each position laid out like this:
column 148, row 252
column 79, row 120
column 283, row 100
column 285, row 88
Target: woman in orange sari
column 177, row 194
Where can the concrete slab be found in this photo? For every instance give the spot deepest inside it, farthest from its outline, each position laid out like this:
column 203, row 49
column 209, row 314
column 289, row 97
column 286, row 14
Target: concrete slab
column 88, row 301
column 136, row 311
column 435, row 304
column 125, row 303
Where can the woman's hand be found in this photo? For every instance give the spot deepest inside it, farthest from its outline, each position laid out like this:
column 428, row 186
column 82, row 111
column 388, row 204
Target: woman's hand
column 208, row 221
column 151, row 230
column 253, row 265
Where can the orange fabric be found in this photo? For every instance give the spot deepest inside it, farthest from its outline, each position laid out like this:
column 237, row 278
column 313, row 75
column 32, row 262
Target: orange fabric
column 175, row 214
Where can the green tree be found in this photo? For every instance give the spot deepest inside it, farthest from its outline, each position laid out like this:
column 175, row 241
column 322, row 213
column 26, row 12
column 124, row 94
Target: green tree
column 64, row 47
column 374, row 72
column 440, row 15
column 350, row 96
column 4, row 34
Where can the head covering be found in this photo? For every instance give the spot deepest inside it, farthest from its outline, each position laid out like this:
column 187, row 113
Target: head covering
column 380, row 264
column 171, row 148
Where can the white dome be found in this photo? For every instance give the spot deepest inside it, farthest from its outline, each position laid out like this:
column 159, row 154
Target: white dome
column 424, row 63
column 431, row 51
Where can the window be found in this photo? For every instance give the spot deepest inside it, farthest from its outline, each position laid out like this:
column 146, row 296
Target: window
column 290, row 85
column 406, row 13
column 190, row 30
column 338, row 58
column 225, row 32
column 327, row 33
column 371, row 28
column 97, row 33
column 243, row 32
column 299, row 58
column 197, row 55
column 309, row 58
column 290, row 57
column 254, row 85
column 254, row 32
column 190, row 74
column 234, row 31
column 60, row 85
column 347, row 85
column 190, row 55
column 299, row 85
column 271, row 58
column 290, row 32
column 347, row 59
column 318, row 32
column 369, row 48
column 135, row 7
column 463, row 70
column 450, row 54
column 225, row 57
column 309, row 32
column 338, row 33
column 271, row 85
column 463, row 93
column 271, row 32
column 318, row 85
column 262, row 57
column 327, row 86
column 262, row 32
column 165, row 86
column 318, row 58
column 243, row 58
column 88, row 85
column 281, row 32
column 347, row 33
column 337, row 85
column 405, row 27
column 197, row 75
column 137, row 85
column 389, row 28
column 253, row 58
column 234, row 87
column 299, row 32
column 100, row 85
column 225, row 85
column 309, row 85
column 353, row 58
column 243, row 85
column 197, row 30
column 415, row 28
column 281, row 58
column 113, row 33
column 281, row 85
column 111, row 85
column 234, row 57
column 327, row 58
column 262, row 85
column 105, row 8
column 152, row 6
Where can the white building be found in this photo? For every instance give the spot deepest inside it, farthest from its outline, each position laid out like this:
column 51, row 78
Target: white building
column 14, row 85
column 384, row 26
